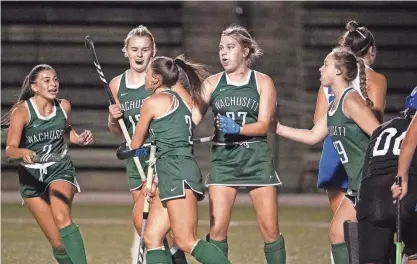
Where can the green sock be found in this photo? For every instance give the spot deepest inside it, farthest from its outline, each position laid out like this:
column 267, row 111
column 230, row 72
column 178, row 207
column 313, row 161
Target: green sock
column 340, row 253
column 168, row 252
column 61, row 256
column 275, row 251
column 207, row 253
column 222, row 244
column 73, row 244
column 157, row 256
column 178, row 256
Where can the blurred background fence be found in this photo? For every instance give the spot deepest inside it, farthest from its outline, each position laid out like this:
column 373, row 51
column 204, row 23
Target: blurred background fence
column 295, row 37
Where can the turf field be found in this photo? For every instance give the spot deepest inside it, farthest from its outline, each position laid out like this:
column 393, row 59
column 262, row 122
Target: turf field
column 108, row 233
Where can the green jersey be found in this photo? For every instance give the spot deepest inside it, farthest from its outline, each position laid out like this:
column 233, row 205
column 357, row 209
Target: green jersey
column 131, row 98
column 349, row 141
column 44, row 134
column 172, row 132
column 239, row 102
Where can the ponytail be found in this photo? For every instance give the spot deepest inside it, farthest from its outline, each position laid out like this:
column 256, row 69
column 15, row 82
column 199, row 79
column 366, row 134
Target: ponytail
column 362, row 83
column 195, row 74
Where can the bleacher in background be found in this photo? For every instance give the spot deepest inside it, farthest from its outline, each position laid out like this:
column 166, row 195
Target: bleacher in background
column 394, row 26
column 53, row 33
column 295, row 37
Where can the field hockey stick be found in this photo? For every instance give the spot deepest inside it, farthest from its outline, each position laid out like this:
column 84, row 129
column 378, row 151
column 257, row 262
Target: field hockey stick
column 149, row 181
column 90, row 45
column 45, row 158
column 398, row 225
column 124, row 152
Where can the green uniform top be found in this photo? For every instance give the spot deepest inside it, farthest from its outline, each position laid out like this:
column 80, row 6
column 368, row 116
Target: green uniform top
column 131, row 99
column 42, row 134
column 172, row 132
column 239, row 102
column 349, row 141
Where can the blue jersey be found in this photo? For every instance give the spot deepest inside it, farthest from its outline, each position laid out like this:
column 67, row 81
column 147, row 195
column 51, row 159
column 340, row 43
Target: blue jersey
column 331, row 171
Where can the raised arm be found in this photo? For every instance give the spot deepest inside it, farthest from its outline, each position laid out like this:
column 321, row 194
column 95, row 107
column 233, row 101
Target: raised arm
column 306, row 136
column 355, row 108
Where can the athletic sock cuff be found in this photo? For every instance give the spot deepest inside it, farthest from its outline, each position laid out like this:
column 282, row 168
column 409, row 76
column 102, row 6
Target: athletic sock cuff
column 68, row 230
column 275, row 246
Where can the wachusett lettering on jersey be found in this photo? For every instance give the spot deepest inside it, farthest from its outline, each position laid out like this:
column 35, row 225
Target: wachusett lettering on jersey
column 236, row 101
column 337, row 131
column 136, row 104
column 46, row 135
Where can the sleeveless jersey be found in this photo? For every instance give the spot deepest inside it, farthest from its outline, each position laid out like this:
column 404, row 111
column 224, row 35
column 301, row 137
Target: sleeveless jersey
column 172, row 132
column 349, row 141
column 44, row 135
column 239, row 102
column 131, row 99
column 384, row 149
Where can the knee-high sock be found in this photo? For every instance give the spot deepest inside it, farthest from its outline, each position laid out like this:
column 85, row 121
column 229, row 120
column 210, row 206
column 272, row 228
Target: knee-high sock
column 275, row 252
column 207, row 253
column 157, row 256
column 61, row 256
column 340, row 253
column 73, row 244
column 222, row 244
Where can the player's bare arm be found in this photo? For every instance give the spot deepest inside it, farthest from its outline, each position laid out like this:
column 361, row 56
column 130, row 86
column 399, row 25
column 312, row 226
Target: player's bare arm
column 355, row 108
column 377, row 90
column 306, row 136
column 268, row 99
column 321, row 105
column 408, row 147
column 199, row 111
column 19, row 119
column 115, row 110
column 151, row 109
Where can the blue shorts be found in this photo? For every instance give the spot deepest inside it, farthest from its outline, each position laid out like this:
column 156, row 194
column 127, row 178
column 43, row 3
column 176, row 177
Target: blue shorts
column 332, row 174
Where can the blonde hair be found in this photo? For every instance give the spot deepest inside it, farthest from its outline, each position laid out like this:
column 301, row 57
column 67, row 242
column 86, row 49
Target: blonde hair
column 242, row 35
column 140, row 31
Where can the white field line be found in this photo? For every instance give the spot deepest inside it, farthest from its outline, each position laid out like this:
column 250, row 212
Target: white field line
column 95, row 221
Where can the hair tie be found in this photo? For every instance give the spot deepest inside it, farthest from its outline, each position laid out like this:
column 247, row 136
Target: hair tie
column 360, row 33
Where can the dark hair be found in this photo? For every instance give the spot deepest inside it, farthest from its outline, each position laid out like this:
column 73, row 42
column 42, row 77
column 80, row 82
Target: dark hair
column 348, row 63
column 140, row 31
column 242, row 35
column 358, row 38
column 408, row 113
column 26, row 91
column 169, row 69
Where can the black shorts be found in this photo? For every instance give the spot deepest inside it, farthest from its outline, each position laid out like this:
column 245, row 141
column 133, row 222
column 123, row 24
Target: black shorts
column 376, row 215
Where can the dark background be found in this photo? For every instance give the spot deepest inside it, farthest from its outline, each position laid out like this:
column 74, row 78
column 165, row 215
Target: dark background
column 295, row 37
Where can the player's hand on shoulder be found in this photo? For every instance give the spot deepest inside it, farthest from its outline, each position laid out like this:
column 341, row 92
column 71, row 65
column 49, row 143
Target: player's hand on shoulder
column 85, row 138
